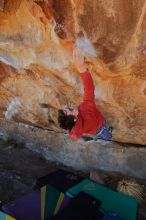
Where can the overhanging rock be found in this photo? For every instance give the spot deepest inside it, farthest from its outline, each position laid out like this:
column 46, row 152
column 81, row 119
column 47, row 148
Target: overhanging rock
column 108, row 156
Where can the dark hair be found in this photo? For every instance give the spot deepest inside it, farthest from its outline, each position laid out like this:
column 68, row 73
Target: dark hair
column 65, row 121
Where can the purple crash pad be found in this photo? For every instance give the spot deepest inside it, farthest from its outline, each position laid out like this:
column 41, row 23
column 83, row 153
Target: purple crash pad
column 27, row 207
column 65, row 202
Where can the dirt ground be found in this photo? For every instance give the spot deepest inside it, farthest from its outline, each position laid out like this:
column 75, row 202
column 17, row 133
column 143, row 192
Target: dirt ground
column 20, row 167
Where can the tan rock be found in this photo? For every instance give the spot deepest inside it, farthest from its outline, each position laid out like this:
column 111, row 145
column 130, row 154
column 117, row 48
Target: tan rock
column 36, row 46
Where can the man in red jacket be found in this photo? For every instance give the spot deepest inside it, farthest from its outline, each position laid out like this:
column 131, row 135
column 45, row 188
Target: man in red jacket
column 85, row 120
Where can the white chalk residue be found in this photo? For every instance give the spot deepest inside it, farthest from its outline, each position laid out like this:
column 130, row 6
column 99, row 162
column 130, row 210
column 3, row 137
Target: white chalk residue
column 12, row 108
column 97, row 92
column 27, row 126
column 84, row 45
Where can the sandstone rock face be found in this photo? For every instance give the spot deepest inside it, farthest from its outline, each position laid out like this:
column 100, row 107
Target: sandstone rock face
column 36, row 47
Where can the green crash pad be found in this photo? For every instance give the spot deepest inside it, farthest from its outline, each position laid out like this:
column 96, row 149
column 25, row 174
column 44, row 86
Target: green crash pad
column 123, row 205
column 51, row 201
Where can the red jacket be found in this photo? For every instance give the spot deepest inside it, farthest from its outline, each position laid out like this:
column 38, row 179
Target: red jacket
column 89, row 118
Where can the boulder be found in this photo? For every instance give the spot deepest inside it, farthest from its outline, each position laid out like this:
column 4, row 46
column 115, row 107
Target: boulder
column 36, row 47
column 89, row 156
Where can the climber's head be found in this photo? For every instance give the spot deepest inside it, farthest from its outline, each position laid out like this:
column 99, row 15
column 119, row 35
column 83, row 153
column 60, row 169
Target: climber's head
column 67, row 117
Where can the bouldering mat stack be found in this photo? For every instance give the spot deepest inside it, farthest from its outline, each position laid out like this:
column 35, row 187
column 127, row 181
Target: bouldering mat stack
column 82, row 207
column 123, row 205
column 62, row 195
column 53, row 188
column 52, row 200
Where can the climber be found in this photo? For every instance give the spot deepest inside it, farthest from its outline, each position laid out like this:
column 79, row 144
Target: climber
column 84, row 120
